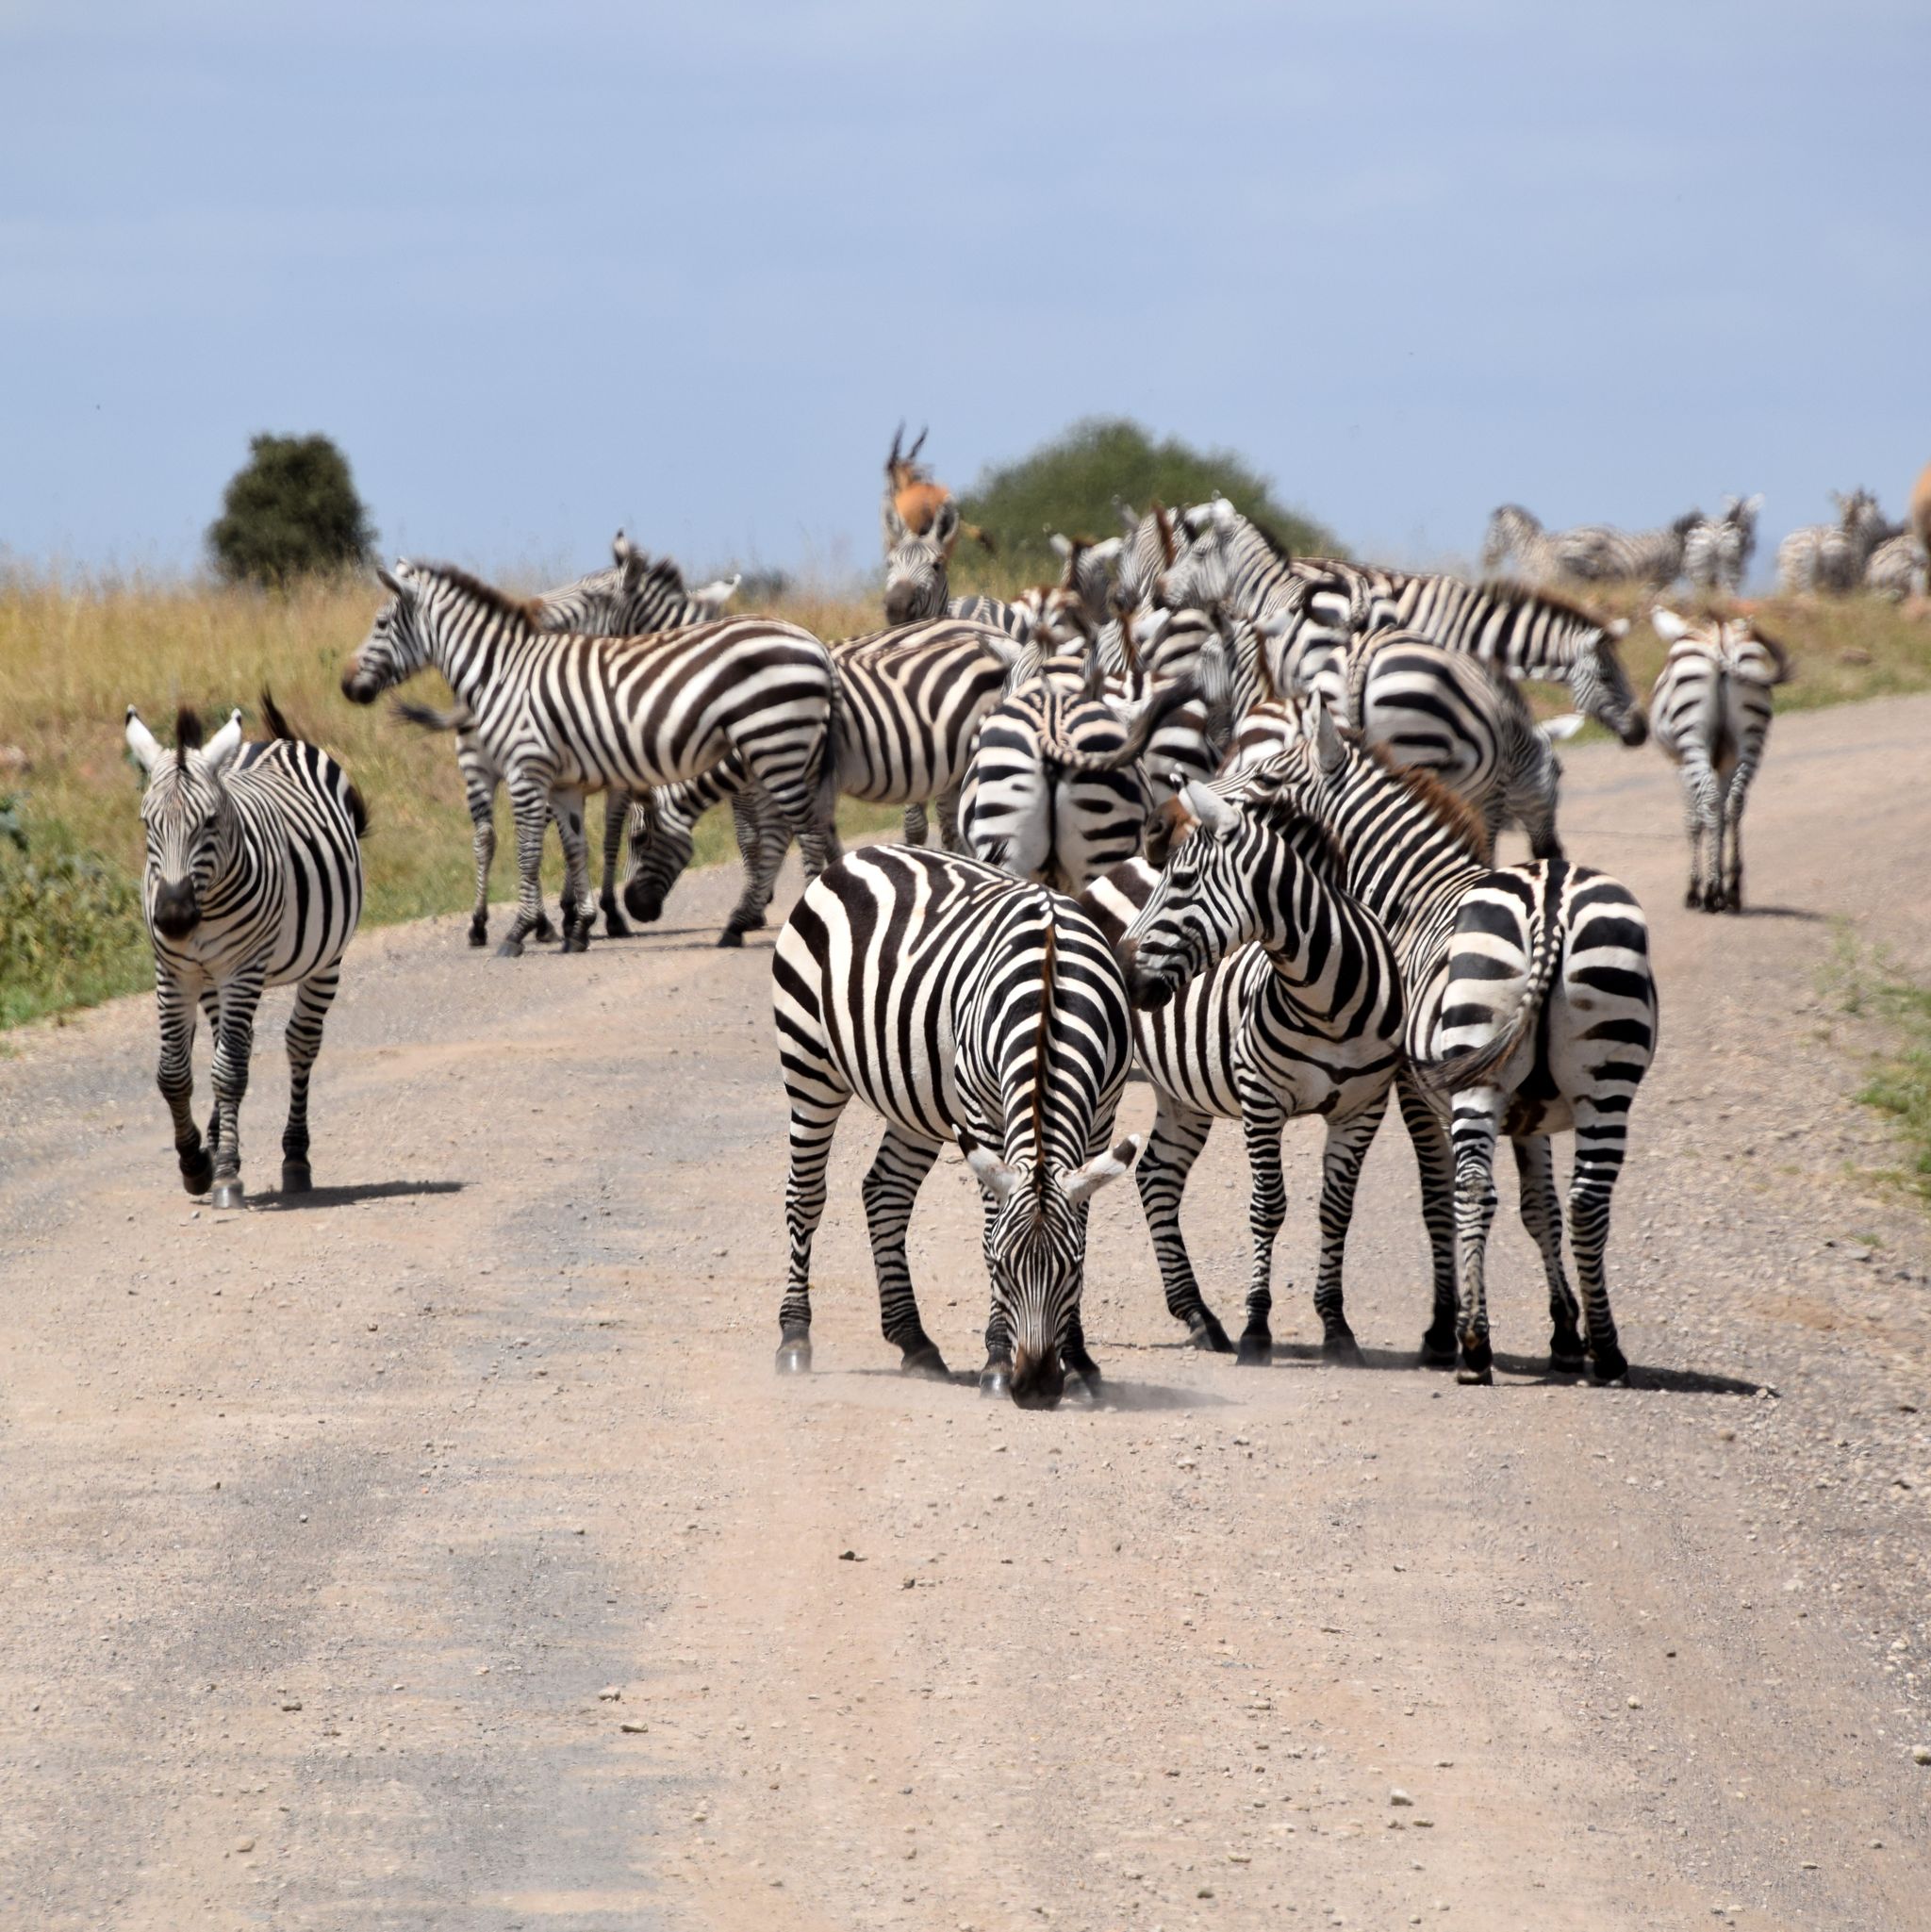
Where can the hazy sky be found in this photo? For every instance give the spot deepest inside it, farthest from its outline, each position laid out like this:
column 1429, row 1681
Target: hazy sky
column 543, row 270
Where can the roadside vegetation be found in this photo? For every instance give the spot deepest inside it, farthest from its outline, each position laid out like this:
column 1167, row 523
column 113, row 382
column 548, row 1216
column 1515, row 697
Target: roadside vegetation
column 1871, row 986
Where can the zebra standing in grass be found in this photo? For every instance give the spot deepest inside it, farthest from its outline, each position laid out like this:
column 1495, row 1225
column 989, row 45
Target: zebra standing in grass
column 909, row 702
column 1593, row 552
column 1531, row 1010
column 1831, row 556
column 254, row 879
column 558, row 714
column 1897, row 567
column 1711, row 705
column 1717, row 553
column 961, row 1006
column 1289, row 1004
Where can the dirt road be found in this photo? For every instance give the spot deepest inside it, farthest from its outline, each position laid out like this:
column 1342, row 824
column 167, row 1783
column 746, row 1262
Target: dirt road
column 441, row 1551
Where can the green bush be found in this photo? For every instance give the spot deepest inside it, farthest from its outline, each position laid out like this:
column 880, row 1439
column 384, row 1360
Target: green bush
column 290, row 511
column 1069, row 484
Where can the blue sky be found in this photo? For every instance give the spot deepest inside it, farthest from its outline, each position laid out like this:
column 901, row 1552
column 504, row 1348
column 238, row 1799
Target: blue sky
column 546, row 270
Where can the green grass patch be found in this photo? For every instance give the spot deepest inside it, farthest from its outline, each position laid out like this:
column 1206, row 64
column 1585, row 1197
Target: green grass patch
column 1868, row 984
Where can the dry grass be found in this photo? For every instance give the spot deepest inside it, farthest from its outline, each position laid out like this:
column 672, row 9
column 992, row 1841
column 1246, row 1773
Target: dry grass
column 73, row 655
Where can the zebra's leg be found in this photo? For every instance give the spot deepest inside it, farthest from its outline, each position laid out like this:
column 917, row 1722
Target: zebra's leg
column 1733, row 825
column 483, row 841
column 234, row 1043
column 615, row 815
column 1477, row 1113
column 529, row 798
column 996, row 1378
column 949, row 836
column 914, row 824
column 211, row 1007
column 775, row 833
column 1161, row 1174
column 1600, row 1140
column 1542, row 1214
column 175, row 1079
column 891, row 1187
column 1346, row 1147
column 313, row 999
column 819, row 1096
column 745, row 824
column 1434, row 1160
column 579, row 907
column 1261, row 1121
column 1699, row 813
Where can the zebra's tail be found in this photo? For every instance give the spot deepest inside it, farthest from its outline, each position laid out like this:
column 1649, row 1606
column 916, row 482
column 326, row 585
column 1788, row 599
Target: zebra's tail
column 1476, row 1064
column 824, row 811
column 429, row 718
column 1167, row 699
column 279, row 727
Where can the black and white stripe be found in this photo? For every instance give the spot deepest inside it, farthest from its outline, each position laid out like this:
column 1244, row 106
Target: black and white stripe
column 1711, row 709
column 254, row 879
column 960, row 1006
column 1898, row 567
column 1265, row 993
column 1590, row 552
column 559, row 715
column 1717, row 552
column 1831, row 556
column 1531, row 1010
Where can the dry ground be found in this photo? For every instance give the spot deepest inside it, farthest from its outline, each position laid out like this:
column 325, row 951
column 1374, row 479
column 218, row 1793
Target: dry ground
column 327, row 1529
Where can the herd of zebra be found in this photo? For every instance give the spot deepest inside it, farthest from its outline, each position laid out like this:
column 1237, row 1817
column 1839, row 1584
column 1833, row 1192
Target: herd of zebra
column 1203, row 804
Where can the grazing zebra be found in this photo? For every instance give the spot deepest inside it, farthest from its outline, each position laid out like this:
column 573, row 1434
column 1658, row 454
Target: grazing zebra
column 1593, row 553
column 909, row 702
column 254, row 879
column 1717, row 553
column 1531, row 1009
column 1897, row 567
column 1831, row 556
column 634, row 595
column 1711, row 705
column 1054, row 791
column 1232, row 560
column 961, row 1006
column 559, row 714
column 1289, row 1004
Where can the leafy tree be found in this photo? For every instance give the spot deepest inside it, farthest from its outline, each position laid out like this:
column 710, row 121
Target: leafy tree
column 1071, row 483
column 290, row 510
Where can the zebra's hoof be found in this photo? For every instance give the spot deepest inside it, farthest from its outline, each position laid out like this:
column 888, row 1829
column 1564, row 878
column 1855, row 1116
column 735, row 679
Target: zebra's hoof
column 1476, row 1377
column 615, row 924
column 543, row 932
column 296, row 1178
column 1438, row 1348
column 577, row 939
column 1256, row 1349
column 1477, row 1365
column 794, row 1355
column 227, row 1194
column 729, row 937
column 479, row 932
column 1611, row 1366
column 1566, row 1357
column 511, row 948
column 925, row 1360
column 996, row 1380
column 1204, row 1331
column 199, row 1176
column 642, row 905
column 1341, row 1346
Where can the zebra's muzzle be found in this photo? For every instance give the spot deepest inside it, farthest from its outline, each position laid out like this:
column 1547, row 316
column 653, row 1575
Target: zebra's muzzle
column 359, row 688
column 177, row 910
column 1038, row 1381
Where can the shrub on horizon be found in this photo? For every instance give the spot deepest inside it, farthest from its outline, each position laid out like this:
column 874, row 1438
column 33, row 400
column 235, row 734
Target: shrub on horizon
column 290, row 511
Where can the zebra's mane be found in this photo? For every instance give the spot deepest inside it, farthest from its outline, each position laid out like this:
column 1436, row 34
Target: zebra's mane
column 527, row 611
column 1454, row 815
column 1505, row 590
column 188, row 734
column 1049, row 960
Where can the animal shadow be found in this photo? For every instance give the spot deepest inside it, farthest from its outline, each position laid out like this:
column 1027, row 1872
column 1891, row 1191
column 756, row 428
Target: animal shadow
column 348, row 1196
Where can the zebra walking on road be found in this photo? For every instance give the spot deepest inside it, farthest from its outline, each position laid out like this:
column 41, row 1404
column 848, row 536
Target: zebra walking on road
column 1711, row 706
column 961, row 1005
column 560, row 714
column 1531, row 1010
column 1263, row 992
column 254, row 879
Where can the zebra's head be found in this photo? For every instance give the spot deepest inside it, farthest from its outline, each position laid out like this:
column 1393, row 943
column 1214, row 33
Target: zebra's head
column 1035, row 1249
column 1511, row 528
column 1601, row 686
column 397, row 646
column 917, row 564
column 1090, row 567
column 1211, row 896
column 186, row 816
column 1187, row 642
column 661, row 845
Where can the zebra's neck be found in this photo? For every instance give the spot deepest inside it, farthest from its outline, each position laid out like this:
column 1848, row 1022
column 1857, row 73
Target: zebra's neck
column 1303, row 916
column 472, row 645
column 1526, row 635
column 1406, row 863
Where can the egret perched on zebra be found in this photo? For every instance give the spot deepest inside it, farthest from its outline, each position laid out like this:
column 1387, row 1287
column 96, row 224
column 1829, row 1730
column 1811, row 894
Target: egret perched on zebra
column 559, row 714
column 253, row 878
column 961, row 1006
column 1832, row 556
column 1531, row 1010
column 634, row 594
column 1264, row 993
column 1711, row 708
column 1591, row 553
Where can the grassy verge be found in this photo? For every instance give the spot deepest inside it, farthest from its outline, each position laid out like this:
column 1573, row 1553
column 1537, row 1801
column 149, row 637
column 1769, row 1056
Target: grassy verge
column 1869, row 985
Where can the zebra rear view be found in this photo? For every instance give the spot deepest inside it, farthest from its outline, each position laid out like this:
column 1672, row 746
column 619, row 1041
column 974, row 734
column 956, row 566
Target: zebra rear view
column 254, row 879
column 961, row 1005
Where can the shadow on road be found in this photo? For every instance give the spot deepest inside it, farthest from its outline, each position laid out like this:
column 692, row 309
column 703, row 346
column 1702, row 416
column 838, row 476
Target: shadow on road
column 347, row 1196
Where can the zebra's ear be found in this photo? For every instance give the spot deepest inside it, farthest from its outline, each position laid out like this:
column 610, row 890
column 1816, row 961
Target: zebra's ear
column 944, row 527
column 992, row 1173
column 391, row 581
column 621, row 550
column 1668, row 625
column 219, row 752
column 1329, row 751
column 1150, row 627
column 714, row 596
column 1210, row 808
column 1750, row 505
column 1130, row 518
column 1061, row 544
column 1106, row 550
column 1617, row 628
column 1556, row 729
column 1083, row 1184
column 141, row 741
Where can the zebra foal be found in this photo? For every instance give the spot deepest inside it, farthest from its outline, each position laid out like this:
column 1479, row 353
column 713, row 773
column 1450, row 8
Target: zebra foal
column 253, row 878
column 1711, row 710
column 960, row 1005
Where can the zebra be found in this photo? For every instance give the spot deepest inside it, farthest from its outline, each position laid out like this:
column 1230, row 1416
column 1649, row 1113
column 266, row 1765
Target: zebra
column 1054, row 791
column 961, row 1005
column 1711, row 706
column 558, row 714
column 909, row 702
column 633, row 595
column 1089, row 567
column 1289, row 1004
column 1531, row 1010
column 1717, row 553
column 1831, row 556
column 1897, row 567
column 254, row 879
column 918, row 584
column 1237, row 563
column 1593, row 553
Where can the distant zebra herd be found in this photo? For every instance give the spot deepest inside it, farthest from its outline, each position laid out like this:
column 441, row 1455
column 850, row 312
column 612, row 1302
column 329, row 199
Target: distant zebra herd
column 1203, row 804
